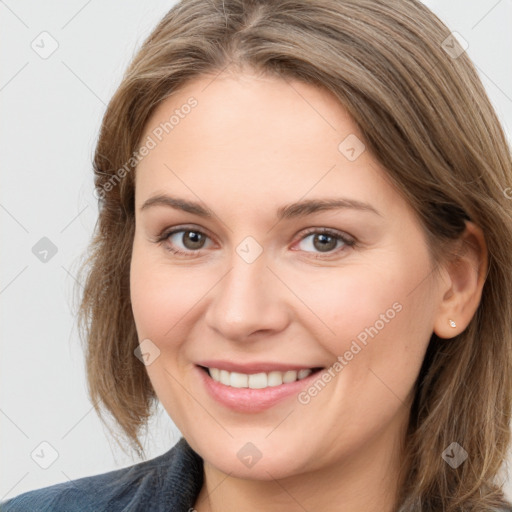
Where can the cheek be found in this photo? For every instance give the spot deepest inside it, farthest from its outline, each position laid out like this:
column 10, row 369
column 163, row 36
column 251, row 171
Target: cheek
column 161, row 295
column 348, row 300
column 162, row 305
column 377, row 318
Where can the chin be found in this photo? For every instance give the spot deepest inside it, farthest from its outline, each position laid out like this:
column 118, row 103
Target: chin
column 255, row 461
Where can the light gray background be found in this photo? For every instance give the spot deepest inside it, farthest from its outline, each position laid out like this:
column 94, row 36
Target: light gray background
column 51, row 113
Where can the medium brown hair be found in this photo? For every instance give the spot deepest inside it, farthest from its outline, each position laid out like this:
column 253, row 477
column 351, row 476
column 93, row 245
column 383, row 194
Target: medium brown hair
column 425, row 117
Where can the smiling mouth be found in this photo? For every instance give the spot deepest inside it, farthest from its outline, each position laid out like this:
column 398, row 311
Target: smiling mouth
column 259, row 380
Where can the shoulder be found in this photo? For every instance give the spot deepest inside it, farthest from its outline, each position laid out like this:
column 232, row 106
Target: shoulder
column 170, row 481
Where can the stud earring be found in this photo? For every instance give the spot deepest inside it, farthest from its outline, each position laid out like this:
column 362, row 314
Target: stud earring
column 452, row 323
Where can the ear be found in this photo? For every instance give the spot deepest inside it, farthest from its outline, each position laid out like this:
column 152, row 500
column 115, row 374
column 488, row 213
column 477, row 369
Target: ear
column 466, row 273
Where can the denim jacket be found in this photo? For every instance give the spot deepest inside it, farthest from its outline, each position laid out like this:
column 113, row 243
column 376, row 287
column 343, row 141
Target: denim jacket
column 170, row 482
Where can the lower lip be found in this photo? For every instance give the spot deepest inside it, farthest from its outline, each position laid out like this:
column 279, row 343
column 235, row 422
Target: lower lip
column 253, row 400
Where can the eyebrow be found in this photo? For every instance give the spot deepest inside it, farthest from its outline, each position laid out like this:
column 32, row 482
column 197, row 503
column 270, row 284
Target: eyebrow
column 289, row 211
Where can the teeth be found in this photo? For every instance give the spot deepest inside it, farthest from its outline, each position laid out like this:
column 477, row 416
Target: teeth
column 289, row 376
column 238, row 380
column 257, row 380
column 303, row 374
column 224, row 377
column 274, row 378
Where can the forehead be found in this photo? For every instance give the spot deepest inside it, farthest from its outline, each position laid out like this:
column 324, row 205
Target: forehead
column 268, row 113
column 261, row 139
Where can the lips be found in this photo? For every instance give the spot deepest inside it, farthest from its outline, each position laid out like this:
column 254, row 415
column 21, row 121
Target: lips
column 251, row 400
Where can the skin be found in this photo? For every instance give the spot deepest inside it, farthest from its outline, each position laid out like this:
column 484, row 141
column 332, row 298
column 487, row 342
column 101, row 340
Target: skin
column 251, row 145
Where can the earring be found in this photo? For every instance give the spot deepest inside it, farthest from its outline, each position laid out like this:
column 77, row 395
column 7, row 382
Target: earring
column 452, row 323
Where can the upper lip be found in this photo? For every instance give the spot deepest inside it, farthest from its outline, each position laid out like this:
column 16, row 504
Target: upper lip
column 255, row 367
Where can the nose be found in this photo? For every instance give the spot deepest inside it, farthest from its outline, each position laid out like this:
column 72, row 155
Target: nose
column 248, row 301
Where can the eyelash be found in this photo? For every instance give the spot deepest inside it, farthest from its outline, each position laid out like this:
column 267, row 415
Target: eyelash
column 348, row 241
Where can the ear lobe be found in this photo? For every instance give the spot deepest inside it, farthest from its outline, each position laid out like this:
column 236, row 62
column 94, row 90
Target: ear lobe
column 467, row 271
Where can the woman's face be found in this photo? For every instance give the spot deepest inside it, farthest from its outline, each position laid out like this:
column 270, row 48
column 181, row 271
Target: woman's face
column 259, row 287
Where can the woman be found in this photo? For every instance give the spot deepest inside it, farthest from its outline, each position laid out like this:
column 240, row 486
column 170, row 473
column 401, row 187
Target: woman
column 303, row 252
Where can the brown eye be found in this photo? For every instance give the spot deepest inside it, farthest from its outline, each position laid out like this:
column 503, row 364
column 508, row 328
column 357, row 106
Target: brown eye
column 325, row 241
column 184, row 242
column 193, row 240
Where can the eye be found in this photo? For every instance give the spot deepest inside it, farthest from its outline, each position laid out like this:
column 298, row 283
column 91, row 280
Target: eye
column 325, row 241
column 191, row 240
